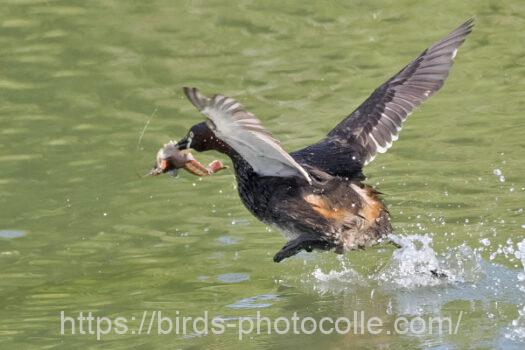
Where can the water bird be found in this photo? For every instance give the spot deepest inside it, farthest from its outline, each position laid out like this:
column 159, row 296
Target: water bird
column 316, row 195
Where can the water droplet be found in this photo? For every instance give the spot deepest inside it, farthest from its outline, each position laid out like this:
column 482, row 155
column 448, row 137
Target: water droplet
column 485, row 242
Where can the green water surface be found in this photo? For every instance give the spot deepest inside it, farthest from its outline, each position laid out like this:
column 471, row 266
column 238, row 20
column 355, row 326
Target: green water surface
column 81, row 230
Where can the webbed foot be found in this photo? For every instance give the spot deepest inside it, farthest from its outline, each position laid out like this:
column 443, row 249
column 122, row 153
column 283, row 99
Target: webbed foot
column 300, row 243
column 438, row 274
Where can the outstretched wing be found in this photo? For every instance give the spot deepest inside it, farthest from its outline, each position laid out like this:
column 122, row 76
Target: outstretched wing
column 242, row 131
column 376, row 123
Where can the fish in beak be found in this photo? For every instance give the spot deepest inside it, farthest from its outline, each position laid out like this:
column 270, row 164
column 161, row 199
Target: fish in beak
column 175, row 155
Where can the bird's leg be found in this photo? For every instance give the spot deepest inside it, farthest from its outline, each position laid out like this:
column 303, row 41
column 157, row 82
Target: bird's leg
column 397, row 245
column 290, row 249
column 300, row 243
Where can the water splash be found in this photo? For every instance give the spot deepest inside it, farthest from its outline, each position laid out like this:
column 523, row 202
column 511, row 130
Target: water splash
column 415, row 264
column 412, row 266
column 346, row 273
column 520, row 254
column 336, row 280
column 516, row 331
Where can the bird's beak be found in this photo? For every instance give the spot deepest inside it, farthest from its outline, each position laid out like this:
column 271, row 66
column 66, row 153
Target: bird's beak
column 183, row 144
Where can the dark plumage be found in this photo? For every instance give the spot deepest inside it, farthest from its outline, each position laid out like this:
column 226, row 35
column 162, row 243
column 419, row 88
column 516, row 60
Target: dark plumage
column 316, row 194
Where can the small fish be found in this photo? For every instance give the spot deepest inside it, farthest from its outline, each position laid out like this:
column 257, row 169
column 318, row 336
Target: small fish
column 170, row 159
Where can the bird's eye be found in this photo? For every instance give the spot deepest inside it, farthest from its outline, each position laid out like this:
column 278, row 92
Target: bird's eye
column 192, row 134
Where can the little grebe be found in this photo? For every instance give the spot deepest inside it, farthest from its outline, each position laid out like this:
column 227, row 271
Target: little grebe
column 316, row 195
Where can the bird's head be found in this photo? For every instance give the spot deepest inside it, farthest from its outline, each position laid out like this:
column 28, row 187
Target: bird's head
column 201, row 138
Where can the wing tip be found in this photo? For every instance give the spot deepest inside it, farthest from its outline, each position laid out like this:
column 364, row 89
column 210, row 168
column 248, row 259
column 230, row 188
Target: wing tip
column 470, row 22
column 447, row 46
column 461, row 33
column 195, row 97
column 466, row 27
